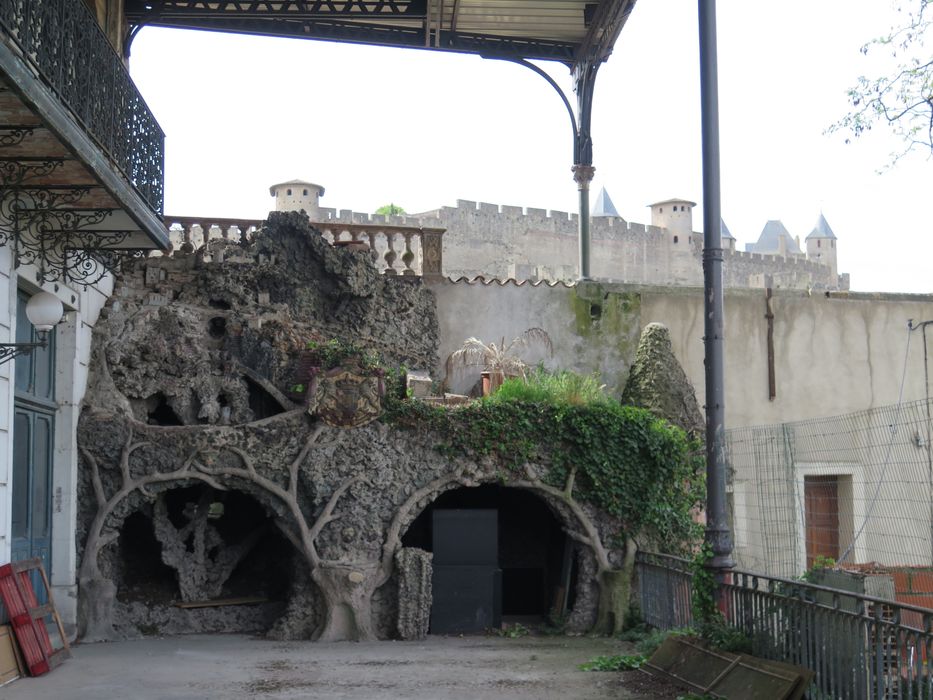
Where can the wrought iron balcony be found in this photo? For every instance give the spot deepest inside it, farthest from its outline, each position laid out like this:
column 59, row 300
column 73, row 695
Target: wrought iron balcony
column 61, row 42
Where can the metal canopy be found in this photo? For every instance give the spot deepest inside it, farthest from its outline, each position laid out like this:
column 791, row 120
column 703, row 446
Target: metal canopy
column 572, row 32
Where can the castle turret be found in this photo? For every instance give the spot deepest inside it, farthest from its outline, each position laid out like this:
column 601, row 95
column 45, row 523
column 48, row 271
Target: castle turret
column 297, row 195
column 774, row 240
column 603, row 206
column 675, row 215
column 821, row 244
column 728, row 240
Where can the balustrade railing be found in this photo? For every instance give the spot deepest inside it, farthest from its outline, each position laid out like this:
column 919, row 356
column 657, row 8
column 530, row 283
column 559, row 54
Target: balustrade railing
column 396, row 250
column 859, row 646
column 62, row 43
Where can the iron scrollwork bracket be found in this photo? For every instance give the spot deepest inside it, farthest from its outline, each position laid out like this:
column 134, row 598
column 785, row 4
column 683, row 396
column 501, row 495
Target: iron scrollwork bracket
column 10, row 350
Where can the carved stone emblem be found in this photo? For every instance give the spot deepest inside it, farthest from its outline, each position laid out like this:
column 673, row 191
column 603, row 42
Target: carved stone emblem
column 344, row 398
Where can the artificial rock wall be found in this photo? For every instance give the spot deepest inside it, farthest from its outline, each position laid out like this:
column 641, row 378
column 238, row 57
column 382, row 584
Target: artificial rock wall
column 189, row 430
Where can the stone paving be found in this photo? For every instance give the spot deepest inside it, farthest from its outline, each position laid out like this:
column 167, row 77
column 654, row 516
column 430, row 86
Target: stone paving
column 238, row 666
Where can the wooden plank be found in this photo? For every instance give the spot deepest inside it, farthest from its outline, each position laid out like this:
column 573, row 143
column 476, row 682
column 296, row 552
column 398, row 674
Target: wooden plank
column 41, row 143
column 220, row 602
column 11, row 663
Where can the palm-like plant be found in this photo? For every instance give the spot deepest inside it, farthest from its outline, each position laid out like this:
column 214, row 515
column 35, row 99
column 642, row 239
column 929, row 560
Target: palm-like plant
column 503, row 358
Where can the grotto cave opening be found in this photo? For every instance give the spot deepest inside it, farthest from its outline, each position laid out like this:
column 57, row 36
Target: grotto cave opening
column 201, row 560
column 535, row 556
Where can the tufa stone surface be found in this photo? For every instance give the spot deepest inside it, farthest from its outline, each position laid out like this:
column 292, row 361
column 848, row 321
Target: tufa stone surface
column 202, row 476
column 658, row 383
column 414, row 592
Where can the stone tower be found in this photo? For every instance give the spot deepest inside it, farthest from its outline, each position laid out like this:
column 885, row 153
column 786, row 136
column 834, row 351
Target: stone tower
column 728, row 240
column 297, row 195
column 821, row 244
column 675, row 215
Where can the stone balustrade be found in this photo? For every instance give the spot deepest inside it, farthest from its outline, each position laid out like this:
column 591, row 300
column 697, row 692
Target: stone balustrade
column 397, row 250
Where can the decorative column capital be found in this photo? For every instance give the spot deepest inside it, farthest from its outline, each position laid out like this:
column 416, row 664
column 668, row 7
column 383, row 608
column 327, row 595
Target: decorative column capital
column 583, row 175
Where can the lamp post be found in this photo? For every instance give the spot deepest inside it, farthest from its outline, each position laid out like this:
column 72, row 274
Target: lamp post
column 44, row 311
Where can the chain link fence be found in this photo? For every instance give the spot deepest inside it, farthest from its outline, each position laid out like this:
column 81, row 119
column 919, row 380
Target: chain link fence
column 856, row 488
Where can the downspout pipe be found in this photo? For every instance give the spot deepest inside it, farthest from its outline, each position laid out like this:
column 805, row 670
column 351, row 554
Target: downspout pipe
column 718, row 535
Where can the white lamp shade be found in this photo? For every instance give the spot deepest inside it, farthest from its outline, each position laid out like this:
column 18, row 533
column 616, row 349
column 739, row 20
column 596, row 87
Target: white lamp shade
column 44, row 311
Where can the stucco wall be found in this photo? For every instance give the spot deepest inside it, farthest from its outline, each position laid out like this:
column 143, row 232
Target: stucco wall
column 832, row 354
column 73, row 343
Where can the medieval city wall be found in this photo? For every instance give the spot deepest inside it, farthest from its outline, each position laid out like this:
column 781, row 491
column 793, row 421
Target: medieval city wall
column 501, row 242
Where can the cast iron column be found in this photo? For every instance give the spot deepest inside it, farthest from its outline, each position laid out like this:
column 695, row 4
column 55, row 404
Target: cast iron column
column 717, row 525
column 584, row 80
column 583, row 175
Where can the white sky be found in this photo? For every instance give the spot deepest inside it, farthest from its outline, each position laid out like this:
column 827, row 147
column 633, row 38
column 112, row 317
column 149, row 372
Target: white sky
column 423, row 129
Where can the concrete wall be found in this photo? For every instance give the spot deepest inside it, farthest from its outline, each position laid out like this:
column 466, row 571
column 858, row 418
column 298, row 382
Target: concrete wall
column 832, row 354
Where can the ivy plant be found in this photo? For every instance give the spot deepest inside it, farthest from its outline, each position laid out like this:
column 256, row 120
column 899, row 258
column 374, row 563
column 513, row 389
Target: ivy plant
column 626, row 461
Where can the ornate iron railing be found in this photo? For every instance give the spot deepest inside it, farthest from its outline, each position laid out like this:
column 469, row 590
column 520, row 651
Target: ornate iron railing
column 859, row 646
column 61, row 41
column 397, row 250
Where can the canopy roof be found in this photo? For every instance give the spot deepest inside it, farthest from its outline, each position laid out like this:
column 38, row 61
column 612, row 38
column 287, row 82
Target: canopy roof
column 569, row 31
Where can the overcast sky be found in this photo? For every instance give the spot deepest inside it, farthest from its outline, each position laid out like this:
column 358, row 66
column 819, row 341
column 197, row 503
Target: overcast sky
column 423, row 129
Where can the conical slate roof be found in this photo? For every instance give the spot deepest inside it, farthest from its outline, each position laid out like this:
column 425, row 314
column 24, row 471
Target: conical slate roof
column 603, row 206
column 769, row 240
column 822, row 229
column 724, row 230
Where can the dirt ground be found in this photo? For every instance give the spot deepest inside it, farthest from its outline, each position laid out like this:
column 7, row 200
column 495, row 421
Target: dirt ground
column 237, row 666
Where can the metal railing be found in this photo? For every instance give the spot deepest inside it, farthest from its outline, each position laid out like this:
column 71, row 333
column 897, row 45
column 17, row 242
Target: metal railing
column 859, row 646
column 396, row 250
column 62, row 43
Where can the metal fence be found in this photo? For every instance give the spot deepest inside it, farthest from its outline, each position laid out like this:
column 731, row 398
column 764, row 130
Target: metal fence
column 860, row 647
column 857, row 488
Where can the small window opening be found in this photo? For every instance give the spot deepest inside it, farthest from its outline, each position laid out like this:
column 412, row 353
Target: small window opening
column 818, row 244
column 288, row 192
column 304, row 192
column 675, row 239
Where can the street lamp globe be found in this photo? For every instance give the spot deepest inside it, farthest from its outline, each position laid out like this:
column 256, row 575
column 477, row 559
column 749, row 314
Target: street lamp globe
column 44, row 311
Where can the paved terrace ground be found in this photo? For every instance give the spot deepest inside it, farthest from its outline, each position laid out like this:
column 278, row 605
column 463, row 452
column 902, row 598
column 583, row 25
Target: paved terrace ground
column 237, row 666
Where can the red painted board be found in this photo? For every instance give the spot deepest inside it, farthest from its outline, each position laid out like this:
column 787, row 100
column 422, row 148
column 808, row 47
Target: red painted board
column 31, row 635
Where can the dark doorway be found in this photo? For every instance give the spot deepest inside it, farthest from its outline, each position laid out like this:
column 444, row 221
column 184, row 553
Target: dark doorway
column 533, row 551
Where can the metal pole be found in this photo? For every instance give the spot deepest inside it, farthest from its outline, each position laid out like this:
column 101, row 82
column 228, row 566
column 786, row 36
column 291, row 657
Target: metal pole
column 583, row 174
column 583, row 170
column 717, row 526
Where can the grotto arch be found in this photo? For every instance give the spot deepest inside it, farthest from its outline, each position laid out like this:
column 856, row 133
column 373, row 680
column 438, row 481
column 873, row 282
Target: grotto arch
column 570, row 554
column 524, row 542
column 195, row 559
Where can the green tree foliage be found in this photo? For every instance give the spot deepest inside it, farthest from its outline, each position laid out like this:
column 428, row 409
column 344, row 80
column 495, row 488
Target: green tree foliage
column 901, row 98
column 390, row 210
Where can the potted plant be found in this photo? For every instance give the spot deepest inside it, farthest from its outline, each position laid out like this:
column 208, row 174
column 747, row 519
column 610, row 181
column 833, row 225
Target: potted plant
column 498, row 360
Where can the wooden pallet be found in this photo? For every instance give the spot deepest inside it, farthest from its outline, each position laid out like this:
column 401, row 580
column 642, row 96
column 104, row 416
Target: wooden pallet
column 28, row 617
